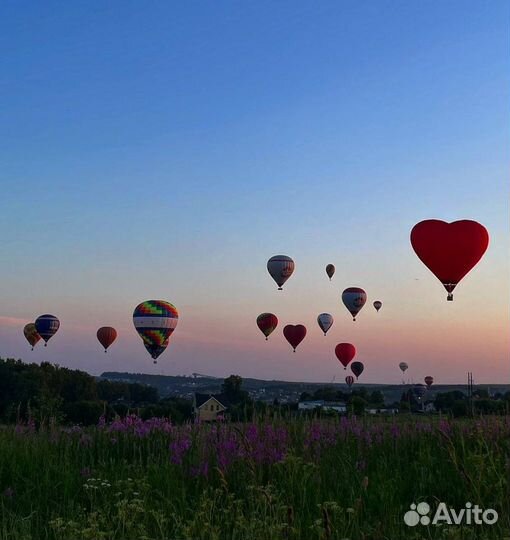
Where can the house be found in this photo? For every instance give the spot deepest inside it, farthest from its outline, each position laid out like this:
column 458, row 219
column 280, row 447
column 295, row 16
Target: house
column 389, row 410
column 209, row 407
column 310, row 405
column 335, row 406
column 326, row 406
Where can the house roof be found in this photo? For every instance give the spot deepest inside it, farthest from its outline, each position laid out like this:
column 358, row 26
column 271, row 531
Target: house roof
column 200, row 399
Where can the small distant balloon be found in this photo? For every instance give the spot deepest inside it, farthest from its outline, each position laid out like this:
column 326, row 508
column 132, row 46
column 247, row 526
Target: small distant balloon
column 403, row 366
column 330, row 271
column 267, row 322
column 449, row 250
column 349, row 380
column 31, row 334
column 357, row 368
column 345, row 352
column 354, row 299
column 155, row 321
column 294, row 334
column 106, row 335
column 377, row 305
column 429, row 381
column 47, row 326
column 280, row 268
column 325, row 321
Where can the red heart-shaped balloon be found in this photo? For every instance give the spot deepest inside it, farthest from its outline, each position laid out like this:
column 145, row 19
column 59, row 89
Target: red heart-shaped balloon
column 345, row 352
column 294, row 334
column 449, row 250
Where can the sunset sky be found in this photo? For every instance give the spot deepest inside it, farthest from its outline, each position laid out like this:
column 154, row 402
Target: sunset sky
column 167, row 149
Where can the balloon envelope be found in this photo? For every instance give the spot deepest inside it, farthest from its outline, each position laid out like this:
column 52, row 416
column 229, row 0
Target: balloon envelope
column 294, row 334
column 325, row 321
column 155, row 321
column 354, row 299
column 267, row 322
column 403, row 366
column 429, row 380
column 47, row 326
column 106, row 336
column 280, row 267
column 449, row 250
column 349, row 380
column 345, row 352
column 330, row 270
column 377, row 305
column 357, row 368
column 31, row 334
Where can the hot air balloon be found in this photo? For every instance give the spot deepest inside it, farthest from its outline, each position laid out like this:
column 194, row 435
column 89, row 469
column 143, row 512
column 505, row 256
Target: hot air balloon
column 330, row 271
column 325, row 321
column 31, row 334
column 267, row 322
column 449, row 250
column 47, row 326
column 357, row 368
column 429, row 381
column 345, row 352
column 377, row 305
column 155, row 320
column 294, row 334
column 419, row 390
column 106, row 336
column 403, row 366
column 349, row 380
column 280, row 267
column 354, row 299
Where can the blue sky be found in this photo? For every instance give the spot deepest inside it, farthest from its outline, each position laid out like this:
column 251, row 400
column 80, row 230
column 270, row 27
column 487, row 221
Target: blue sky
column 159, row 149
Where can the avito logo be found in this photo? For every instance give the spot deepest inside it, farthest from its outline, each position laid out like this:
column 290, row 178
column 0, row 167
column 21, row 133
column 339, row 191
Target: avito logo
column 470, row 515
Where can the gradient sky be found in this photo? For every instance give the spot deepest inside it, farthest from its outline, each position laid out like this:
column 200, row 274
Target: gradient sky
column 168, row 149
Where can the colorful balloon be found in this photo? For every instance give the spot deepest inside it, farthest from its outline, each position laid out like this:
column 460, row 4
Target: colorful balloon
column 155, row 320
column 325, row 321
column 354, row 299
column 106, row 336
column 294, row 334
column 377, row 305
column 330, row 270
column 345, row 352
column 403, row 366
column 31, row 334
column 267, row 322
column 280, row 267
column 47, row 326
column 357, row 368
column 449, row 250
column 429, row 381
column 349, row 380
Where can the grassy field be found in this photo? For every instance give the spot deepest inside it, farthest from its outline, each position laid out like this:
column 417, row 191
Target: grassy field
column 302, row 479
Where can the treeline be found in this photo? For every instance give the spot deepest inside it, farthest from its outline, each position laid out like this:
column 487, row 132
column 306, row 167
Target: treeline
column 48, row 391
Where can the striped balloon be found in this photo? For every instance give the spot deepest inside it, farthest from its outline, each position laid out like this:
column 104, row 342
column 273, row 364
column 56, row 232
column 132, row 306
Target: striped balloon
column 155, row 321
column 47, row 326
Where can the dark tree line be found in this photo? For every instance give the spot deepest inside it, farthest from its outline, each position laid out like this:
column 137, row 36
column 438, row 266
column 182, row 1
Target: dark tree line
column 48, row 391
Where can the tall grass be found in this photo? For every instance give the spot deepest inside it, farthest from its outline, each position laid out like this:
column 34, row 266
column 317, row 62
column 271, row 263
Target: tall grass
column 270, row 479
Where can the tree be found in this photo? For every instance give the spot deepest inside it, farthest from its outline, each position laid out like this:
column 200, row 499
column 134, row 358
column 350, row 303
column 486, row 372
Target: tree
column 232, row 388
column 376, row 398
column 357, row 405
